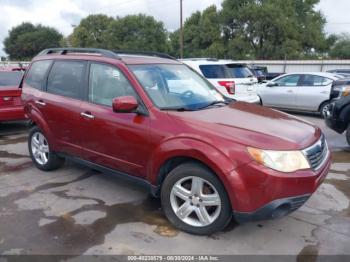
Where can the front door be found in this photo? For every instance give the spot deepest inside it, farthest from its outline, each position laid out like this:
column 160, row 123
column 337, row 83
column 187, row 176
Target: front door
column 116, row 140
column 282, row 95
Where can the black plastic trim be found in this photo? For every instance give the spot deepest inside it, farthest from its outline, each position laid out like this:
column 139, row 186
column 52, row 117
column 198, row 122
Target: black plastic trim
column 154, row 190
column 269, row 211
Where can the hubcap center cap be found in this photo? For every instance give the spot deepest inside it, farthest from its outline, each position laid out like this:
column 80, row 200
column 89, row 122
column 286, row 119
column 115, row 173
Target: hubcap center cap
column 195, row 201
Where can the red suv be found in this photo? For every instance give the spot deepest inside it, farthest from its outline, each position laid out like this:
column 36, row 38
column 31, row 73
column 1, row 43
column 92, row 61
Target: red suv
column 153, row 119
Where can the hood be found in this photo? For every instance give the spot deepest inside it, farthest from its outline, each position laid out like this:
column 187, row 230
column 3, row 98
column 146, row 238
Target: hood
column 252, row 125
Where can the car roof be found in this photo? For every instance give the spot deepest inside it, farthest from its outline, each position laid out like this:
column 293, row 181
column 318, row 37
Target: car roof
column 323, row 74
column 126, row 57
column 208, row 61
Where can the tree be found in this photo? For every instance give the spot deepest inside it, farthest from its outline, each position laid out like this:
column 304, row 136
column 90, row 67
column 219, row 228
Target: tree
column 137, row 32
column 272, row 29
column 341, row 48
column 202, row 35
column 27, row 40
column 91, row 32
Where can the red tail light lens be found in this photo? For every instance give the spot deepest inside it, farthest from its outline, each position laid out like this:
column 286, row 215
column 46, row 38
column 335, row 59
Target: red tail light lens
column 229, row 85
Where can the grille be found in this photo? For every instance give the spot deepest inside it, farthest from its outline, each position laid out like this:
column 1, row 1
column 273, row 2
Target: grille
column 317, row 153
column 298, row 202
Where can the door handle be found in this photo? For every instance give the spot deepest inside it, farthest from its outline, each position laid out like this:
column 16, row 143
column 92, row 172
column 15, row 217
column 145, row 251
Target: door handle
column 40, row 102
column 290, row 91
column 87, row 115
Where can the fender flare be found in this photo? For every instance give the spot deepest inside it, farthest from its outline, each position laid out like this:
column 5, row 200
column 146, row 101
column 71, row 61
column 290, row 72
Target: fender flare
column 195, row 149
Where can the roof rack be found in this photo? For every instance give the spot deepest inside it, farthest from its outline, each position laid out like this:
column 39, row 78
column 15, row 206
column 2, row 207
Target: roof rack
column 200, row 58
column 64, row 51
column 146, row 53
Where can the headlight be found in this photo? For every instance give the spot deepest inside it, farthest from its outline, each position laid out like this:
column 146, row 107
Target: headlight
column 284, row 161
column 343, row 90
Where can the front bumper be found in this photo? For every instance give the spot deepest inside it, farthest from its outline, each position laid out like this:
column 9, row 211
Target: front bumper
column 257, row 192
column 275, row 209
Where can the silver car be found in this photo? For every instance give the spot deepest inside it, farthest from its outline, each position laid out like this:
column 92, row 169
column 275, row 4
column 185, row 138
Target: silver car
column 298, row 91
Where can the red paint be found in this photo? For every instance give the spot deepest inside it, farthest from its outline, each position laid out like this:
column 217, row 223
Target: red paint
column 140, row 144
column 124, row 104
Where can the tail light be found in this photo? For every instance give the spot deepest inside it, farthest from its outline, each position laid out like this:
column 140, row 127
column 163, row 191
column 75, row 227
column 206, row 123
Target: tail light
column 229, row 85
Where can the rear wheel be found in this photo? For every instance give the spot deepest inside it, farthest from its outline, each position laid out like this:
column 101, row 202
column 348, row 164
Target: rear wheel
column 40, row 152
column 348, row 135
column 195, row 201
column 324, row 108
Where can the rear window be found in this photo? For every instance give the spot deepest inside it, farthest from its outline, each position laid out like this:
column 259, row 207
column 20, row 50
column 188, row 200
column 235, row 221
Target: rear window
column 239, row 71
column 10, row 78
column 36, row 74
column 226, row 71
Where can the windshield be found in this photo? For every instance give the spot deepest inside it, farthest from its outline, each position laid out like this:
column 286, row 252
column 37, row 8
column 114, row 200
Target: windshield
column 176, row 87
column 10, row 78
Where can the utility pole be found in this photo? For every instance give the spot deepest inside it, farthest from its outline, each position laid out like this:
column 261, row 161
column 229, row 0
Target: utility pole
column 181, row 33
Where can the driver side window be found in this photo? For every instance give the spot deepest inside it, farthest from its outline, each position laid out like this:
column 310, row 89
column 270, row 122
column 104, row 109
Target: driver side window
column 107, row 82
column 291, row 80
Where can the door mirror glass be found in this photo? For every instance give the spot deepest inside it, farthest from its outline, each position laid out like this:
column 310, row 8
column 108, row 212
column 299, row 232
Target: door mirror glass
column 124, row 104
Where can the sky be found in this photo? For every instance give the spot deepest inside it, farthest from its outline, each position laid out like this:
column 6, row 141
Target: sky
column 64, row 14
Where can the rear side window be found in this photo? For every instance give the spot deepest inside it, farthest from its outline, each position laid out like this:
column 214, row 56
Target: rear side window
column 10, row 78
column 36, row 76
column 312, row 80
column 66, row 78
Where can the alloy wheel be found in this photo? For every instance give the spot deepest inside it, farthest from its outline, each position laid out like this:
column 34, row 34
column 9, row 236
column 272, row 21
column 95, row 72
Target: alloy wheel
column 195, row 201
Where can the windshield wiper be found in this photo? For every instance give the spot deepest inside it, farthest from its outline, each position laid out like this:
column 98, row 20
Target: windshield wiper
column 180, row 109
column 214, row 103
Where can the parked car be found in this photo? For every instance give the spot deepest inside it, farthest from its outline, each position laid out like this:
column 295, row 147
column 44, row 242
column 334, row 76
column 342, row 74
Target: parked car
column 233, row 80
column 156, row 121
column 298, row 91
column 11, row 107
column 259, row 72
column 338, row 114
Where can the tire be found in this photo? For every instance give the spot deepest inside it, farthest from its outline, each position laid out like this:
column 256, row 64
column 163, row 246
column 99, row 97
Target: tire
column 40, row 153
column 348, row 135
column 323, row 108
column 218, row 212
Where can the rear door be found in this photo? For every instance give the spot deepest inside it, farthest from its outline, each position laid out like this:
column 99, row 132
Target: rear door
column 246, row 83
column 61, row 103
column 283, row 95
column 312, row 92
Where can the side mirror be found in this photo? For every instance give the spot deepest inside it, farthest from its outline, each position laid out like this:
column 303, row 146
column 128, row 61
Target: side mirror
column 271, row 84
column 124, row 104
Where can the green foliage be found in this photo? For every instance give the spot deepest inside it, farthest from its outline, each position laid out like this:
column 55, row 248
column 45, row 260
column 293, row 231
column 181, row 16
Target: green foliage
column 27, row 40
column 242, row 29
column 91, row 32
column 272, row 29
column 132, row 32
column 202, row 35
column 137, row 32
column 341, row 48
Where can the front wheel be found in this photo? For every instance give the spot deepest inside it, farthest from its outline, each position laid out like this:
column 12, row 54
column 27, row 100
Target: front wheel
column 40, row 151
column 195, row 201
column 324, row 109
